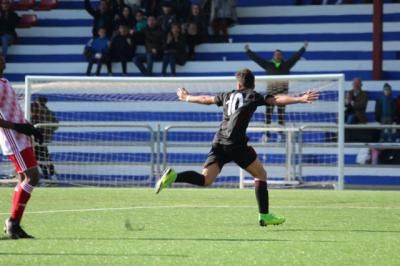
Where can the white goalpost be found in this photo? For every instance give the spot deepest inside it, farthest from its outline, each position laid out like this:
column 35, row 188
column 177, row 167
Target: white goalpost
column 112, row 131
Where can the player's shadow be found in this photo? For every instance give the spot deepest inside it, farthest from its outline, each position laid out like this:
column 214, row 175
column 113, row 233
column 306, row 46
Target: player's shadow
column 254, row 240
column 340, row 230
column 261, row 240
column 90, row 254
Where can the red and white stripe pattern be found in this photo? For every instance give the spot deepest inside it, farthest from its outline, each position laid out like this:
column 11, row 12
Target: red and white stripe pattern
column 26, row 187
column 12, row 142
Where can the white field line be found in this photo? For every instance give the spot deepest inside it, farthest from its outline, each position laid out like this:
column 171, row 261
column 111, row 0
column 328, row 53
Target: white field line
column 203, row 207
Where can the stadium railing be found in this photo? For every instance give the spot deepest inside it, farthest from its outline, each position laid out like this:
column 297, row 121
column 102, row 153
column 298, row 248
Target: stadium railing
column 89, row 141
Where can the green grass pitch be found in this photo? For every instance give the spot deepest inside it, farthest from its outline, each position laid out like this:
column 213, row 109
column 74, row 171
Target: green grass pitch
column 204, row 227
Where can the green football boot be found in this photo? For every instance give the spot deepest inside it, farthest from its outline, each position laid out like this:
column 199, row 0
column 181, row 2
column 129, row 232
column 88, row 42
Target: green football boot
column 269, row 218
column 168, row 177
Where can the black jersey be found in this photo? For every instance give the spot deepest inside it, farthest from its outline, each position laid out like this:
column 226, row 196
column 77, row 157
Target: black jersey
column 239, row 107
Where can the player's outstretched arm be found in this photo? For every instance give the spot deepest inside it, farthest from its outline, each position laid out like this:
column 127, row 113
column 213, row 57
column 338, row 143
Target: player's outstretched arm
column 184, row 96
column 23, row 128
column 6, row 124
column 308, row 97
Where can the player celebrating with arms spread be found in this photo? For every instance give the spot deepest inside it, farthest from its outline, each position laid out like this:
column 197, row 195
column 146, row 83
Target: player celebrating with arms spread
column 230, row 142
column 15, row 142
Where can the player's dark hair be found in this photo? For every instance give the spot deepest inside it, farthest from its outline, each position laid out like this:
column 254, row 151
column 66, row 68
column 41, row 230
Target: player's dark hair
column 245, row 78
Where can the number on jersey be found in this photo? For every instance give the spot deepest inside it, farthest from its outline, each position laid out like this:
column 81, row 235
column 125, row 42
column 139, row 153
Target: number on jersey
column 235, row 102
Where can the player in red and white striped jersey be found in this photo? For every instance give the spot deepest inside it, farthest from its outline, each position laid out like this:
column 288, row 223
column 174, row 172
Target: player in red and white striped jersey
column 16, row 143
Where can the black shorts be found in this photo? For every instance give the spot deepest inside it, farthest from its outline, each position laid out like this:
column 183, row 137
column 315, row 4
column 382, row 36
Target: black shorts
column 242, row 155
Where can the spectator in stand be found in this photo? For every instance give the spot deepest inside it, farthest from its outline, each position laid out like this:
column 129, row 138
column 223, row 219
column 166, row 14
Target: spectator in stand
column 223, row 15
column 175, row 50
column 125, row 18
column 385, row 112
column 117, row 7
column 103, row 17
column 97, row 51
column 123, row 47
column 134, row 5
column 141, row 21
column 397, row 116
column 195, row 29
column 182, row 9
column 167, row 18
column 152, row 7
column 40, row 113
column 356, row 104
column 140, row 26
column 277, row 66
column 154, row 41
column 8, row 22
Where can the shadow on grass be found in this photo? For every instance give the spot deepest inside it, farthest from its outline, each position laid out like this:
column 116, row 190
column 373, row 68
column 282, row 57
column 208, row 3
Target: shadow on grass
column 90, row 254
column 339, row 230
column 186, row 239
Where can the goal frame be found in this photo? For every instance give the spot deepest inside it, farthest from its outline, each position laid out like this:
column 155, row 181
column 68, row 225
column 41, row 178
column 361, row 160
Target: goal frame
column 339, row 77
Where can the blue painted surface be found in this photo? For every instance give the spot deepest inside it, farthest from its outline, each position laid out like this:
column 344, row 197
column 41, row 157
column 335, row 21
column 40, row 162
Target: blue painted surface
column 311, row 37
column 359, row 180
column 363, row 74
column 214, row 56
column 245, row 20
column 349, row 179
column 53, row 40
column 175, row 136
column 79, row 5
column 185, row 116
column 136, row 97
column 190, row 158
column 291, row 117
column 315, row 19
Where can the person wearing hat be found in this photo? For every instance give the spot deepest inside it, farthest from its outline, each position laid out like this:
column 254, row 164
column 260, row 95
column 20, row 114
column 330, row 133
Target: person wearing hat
column 385, row 111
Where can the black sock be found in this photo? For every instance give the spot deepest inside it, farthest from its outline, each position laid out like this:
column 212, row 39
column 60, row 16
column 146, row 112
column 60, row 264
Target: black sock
column 260, row 187
column 190, row 177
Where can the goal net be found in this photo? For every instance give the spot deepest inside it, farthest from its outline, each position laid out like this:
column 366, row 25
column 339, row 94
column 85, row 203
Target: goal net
column 125, row 131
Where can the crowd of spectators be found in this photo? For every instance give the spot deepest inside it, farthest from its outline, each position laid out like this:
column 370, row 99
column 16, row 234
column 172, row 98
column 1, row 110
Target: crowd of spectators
column 387, row 109
column 168, row 29
column 387, row 113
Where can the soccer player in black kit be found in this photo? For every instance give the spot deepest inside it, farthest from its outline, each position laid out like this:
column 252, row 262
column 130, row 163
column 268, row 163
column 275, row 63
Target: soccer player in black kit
column 230, row 142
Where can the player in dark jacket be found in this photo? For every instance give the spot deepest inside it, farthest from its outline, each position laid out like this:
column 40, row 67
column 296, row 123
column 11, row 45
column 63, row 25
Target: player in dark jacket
column 277, row 66
column 230, row 142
